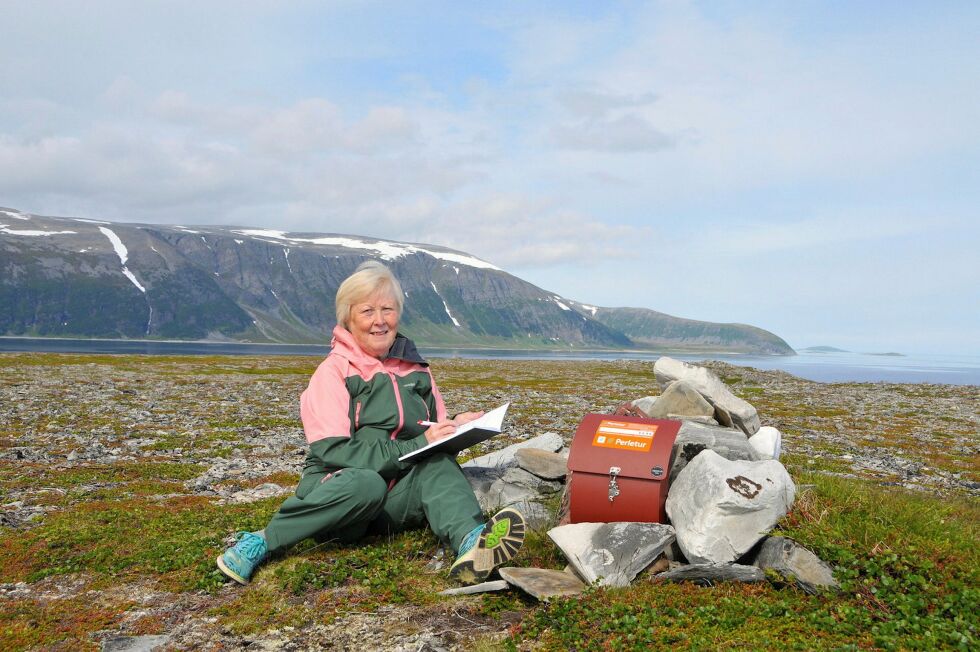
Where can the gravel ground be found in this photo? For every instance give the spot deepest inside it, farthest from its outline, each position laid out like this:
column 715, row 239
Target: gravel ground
column 237, row 420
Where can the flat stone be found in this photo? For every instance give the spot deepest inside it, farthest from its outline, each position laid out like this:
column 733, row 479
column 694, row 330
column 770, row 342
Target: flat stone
column 796, row 564
column 543, row 583
column 695, row 437
column 505, row 457
column 438, row 561
column 542, row 463
column 134, row 643
column 518, row 476
column 645, row 404
column 708, row 574
column 728, row 407
column 680, row 398
column 707, row 421
column 611, row 554
column 485, row 587
column 768, row 442
column 721, row 508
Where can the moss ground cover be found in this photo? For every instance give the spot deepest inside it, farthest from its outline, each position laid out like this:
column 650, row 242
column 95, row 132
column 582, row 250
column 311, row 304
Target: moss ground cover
column 109, row 527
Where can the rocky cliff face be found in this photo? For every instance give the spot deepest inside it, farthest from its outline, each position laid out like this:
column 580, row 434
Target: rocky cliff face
column 75, row 277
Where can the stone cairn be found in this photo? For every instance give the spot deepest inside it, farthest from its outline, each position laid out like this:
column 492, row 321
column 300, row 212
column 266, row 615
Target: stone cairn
column 727, row 491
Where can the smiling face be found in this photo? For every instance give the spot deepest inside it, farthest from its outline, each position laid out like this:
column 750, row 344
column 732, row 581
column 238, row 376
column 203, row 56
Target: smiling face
column 374, row 322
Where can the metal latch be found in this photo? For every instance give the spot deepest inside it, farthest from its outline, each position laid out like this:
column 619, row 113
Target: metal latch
column 613, row 485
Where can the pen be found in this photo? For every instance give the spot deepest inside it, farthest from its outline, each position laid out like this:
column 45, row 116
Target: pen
column 426, row 423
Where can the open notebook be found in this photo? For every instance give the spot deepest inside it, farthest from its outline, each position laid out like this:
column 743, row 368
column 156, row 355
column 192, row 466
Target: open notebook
column 465, row 436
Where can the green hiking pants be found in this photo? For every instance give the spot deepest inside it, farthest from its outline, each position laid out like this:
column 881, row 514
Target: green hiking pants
column 354, row 502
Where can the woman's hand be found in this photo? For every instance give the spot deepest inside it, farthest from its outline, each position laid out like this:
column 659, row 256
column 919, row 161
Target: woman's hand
column 440, row 430
column 466, row 417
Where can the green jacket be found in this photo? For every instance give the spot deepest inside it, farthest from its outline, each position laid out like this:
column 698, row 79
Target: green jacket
column 361, row 412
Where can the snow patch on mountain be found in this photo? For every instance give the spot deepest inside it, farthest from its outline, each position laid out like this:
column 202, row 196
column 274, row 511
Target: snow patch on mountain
column 445, row 305
column 30, row 232
column 123, row 254
column 385, row 249
column 16, row 215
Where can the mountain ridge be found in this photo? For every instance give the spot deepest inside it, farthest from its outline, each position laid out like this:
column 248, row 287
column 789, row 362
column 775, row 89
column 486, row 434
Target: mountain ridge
column 63, row 276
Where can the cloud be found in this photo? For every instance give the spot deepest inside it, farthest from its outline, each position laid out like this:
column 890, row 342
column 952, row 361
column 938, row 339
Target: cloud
column 517, row 231
column 596, row 104
column 751, row 239
column 173, row 158
column 628, row 133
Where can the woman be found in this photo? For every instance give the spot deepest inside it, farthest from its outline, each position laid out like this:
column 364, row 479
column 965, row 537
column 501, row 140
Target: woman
column 361, row 412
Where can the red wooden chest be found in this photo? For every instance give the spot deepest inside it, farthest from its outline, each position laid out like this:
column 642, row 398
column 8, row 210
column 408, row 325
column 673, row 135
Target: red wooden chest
column 619, row 469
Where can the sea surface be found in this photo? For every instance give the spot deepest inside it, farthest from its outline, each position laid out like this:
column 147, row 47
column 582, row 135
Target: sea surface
column 823, row 367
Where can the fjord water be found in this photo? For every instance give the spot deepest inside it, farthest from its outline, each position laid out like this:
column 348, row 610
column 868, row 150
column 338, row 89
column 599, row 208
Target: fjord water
column 826, row 367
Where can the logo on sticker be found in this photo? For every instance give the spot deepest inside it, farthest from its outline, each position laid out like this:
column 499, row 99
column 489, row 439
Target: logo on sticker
column 637, row 437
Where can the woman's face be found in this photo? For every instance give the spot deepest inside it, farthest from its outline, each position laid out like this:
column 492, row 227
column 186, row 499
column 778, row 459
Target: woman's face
column 374, row 322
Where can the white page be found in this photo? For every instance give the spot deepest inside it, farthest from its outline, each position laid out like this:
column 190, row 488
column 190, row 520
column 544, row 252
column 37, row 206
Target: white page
column 492, row 421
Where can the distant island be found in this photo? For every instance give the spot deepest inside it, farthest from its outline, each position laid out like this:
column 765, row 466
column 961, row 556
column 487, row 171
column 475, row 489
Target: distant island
column 834, row 349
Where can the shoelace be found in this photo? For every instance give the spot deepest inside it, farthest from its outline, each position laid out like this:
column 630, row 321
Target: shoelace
column 252, row 546
column 471, row 539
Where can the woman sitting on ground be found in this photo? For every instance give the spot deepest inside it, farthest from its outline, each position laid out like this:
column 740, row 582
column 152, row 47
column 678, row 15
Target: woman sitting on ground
column 361, row 412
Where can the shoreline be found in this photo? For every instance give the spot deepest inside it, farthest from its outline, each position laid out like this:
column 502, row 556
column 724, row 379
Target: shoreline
column 461, row 347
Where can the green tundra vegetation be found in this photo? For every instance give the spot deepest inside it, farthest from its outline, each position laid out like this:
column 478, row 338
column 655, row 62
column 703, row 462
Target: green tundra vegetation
column 127, row 545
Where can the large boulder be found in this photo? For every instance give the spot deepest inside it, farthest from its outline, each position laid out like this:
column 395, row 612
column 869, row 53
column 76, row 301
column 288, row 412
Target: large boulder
column 611, row 554
column 729, row 409
column 721, row 508
column 680, row 399
column 696, row 437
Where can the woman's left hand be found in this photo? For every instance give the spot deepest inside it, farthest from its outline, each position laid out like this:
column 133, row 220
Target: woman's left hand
column 466, row 417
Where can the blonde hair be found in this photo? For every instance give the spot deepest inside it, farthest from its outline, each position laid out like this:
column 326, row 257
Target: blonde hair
column 369, row 278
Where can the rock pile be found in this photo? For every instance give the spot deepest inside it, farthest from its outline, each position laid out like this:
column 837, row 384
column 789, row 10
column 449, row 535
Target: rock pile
column 727, row 492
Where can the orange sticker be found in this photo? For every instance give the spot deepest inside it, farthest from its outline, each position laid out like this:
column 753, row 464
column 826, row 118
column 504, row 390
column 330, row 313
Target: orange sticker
column 637, row 437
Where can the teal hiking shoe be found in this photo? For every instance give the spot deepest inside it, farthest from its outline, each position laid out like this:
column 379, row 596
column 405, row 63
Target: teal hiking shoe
column 488, row 546
column 240, row 562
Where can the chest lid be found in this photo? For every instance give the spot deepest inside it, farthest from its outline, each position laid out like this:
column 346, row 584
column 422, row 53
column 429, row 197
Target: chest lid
column 639, row 448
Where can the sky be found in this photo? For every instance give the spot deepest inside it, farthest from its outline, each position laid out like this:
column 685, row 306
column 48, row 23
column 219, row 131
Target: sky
column 808, row 167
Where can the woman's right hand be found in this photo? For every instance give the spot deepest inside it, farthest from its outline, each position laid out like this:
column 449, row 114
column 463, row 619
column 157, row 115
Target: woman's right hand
column 441, row 430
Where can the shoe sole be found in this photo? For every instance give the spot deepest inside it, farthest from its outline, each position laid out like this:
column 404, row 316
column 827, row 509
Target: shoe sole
column 500, row 540
column 230, row 573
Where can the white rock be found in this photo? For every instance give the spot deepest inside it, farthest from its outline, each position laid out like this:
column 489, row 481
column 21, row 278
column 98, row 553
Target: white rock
column 485, row 587
column 549, row 441
column 721, row 508
column 727, row 405
column 768, row 441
